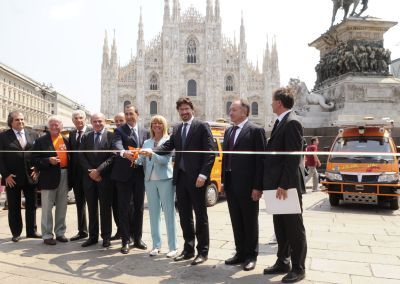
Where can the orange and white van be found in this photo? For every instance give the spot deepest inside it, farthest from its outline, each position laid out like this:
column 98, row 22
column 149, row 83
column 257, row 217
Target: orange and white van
column 363, row 166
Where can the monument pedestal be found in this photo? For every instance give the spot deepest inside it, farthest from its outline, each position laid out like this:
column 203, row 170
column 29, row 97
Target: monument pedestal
column 353, row 75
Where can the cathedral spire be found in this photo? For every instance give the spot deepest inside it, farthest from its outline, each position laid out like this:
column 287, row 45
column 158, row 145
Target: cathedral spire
column 209, row 11
column 217, row 11
column 242, row 33
column 140, row 39
column 166, row 11
column 267, row 58
column 176, row 11
column 106, row 54
column 274, row 62
column 114, row 52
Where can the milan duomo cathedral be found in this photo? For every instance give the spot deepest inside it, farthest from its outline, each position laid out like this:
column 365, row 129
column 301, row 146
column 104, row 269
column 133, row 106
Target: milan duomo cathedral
column 190, row 57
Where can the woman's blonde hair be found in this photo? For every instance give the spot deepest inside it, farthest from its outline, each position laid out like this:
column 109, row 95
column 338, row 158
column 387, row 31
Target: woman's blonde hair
column 159, row 119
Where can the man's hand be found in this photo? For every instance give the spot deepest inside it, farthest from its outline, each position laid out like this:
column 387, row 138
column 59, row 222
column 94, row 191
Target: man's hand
column 200, row 182
column 34, row 174
column 94, row 175
column 281, row 193
column 54, row 160
column 318, row 164
column 128, row 155
column 256, row 194
column 10, row 182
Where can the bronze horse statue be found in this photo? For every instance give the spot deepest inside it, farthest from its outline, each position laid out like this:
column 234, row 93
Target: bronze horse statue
column 345, row 4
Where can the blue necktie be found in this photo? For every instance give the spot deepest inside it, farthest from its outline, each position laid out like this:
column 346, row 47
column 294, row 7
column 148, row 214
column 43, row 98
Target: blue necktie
column 97, row 141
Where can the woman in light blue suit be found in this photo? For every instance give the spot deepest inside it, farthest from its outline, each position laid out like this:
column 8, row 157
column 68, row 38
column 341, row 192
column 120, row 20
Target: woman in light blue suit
column 158, row 183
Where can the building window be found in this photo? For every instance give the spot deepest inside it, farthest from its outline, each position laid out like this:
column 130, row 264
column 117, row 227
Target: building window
column 192, row 88
column 153, row 82
column 229, row 83
column 153, row 107
column 228, row 106
column 254, row 108
column 191, row 51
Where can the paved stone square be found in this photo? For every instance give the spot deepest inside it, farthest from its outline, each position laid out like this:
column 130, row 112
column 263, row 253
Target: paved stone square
column 347, row 244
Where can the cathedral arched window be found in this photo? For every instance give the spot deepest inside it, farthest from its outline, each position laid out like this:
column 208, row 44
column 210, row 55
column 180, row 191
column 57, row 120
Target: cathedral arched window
column 228, row 106
column 153, row 82
column 153, row 108
column 254, row 108
column 229, row 83
column 191, row 51
column 192, row 88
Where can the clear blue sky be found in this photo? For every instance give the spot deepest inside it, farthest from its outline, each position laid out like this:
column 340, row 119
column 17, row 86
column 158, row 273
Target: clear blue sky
column 61, row 41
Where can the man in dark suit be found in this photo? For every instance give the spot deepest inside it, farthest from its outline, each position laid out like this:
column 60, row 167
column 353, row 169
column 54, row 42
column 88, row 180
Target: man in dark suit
column 242, row 177
column 52, row 160
column 96, row 180
column 191, row 177
column 77, row 173
column 17, row 173
column 129, row 179
column 282, row 172
column 119, row 119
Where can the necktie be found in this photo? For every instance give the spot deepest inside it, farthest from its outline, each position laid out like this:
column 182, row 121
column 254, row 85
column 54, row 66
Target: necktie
column 183, row 136
column 78, row 139
column 231, row 143
column 135, row 137
column 97, row 141
column 21, row 139
column 275, row 125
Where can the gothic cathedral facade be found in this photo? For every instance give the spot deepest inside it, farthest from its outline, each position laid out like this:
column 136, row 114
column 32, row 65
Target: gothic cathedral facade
column 190, row 57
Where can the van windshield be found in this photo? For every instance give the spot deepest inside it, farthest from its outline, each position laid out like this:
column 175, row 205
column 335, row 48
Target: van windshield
column 362, row 145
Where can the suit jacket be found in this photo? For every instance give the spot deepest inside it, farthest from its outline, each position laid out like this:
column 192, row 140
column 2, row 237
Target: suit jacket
column 284, row 170
column 17, row 163
column 199, row 138
column 160, row 164
column 76, row 169
column 247, row 170
column 101, row 161
column 122, row 170
column 49, row 177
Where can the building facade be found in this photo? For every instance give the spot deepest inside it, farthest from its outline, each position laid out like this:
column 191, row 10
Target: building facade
column 35, row 100
column 395, row 67
column 190, row 57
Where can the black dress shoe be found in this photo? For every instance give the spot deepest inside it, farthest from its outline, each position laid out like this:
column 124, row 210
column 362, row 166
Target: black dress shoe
column 140, row 245
column 199, row 259
column 50, row 242
column 106, row 243
column 34, row 235
column 62, row 239
column 184, row 256
column 293, row 276
column 125, row 248
column 89, row 242
column 236, row 259
column 79, row 236
column 249, row 264
column 277, row 269
column 16, row 239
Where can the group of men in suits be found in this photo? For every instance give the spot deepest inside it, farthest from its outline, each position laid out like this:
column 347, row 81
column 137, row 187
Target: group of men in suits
column 95, row 175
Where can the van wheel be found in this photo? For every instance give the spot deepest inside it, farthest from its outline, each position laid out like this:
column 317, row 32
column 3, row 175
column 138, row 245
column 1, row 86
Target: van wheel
column 394, row 203
column 333, row 199
column 211, row 195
